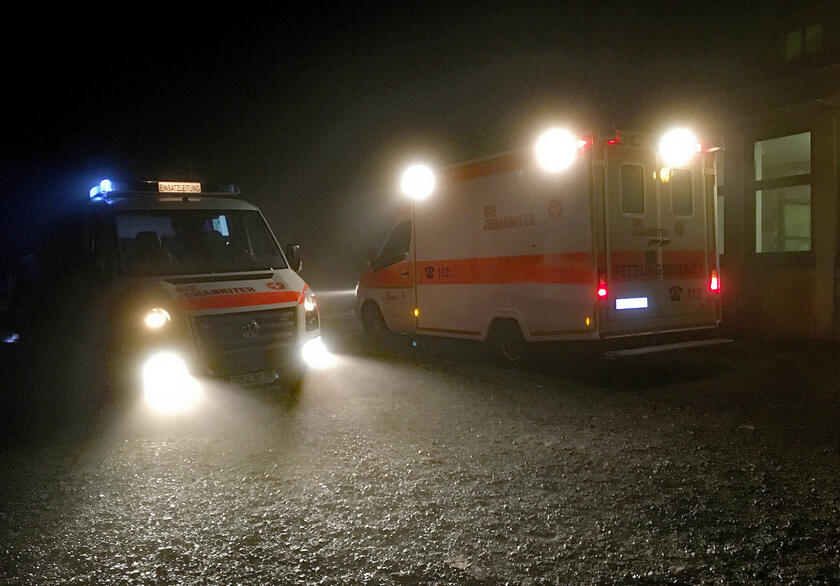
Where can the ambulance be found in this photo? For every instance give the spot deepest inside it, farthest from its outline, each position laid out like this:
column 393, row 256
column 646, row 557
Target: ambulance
column 579, row 238
column 188, row 283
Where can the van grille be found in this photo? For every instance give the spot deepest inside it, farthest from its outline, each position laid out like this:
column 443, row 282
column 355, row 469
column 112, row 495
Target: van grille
column 237, row 343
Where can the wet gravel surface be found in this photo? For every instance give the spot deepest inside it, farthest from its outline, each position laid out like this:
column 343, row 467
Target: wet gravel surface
column 434, row 467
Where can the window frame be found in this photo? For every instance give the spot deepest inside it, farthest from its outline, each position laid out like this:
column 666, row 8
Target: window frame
column 791, row 258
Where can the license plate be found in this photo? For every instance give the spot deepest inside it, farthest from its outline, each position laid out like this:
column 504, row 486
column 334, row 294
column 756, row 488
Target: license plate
column 632, row 303
column 255, row 378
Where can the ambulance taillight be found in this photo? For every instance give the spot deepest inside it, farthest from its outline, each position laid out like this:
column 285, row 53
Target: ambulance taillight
column 714, row 282
column 601, row 291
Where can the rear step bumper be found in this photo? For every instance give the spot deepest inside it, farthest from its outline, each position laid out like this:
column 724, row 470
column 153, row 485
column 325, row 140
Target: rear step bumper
column 615, row 354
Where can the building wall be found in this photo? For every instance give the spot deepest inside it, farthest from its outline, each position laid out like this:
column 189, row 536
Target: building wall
column 782, row 294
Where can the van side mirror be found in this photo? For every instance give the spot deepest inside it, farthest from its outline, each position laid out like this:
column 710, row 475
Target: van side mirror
column 293, row 256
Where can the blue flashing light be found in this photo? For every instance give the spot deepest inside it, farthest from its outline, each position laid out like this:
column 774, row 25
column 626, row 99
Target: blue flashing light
column 12, row 338
column 102, row 189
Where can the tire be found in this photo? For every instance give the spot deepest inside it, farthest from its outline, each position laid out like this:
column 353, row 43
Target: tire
column 373, row 326
column 508, row 343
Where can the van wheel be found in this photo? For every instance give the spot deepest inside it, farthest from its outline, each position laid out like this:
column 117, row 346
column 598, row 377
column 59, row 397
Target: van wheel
column 508, row 342
column 373, row 325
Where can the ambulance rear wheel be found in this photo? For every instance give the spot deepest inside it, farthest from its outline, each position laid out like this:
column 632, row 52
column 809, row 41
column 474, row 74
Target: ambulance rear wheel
column 508, row 342
column 373, row 325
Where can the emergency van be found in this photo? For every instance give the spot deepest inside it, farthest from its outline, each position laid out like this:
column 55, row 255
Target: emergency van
column 581, row 238
column 188, row 281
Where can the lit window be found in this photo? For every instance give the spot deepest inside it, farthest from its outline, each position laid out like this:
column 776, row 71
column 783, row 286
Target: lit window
column 793, row 45
column 783, row 157
column 783, row 219
column 807, row 41
column 813, row 39
column 783, row 194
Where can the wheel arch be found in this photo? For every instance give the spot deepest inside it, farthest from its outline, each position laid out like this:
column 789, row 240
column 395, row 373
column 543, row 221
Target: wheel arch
column 500, row 317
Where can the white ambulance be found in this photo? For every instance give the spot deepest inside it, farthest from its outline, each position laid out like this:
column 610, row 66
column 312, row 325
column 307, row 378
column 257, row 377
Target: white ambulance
column 191, row 282
column 581, row 238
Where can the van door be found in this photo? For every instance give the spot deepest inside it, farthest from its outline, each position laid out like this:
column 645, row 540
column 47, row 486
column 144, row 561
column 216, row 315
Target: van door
column 633, row 236
column 685, row 246
column 657, row 245
column 393, row 279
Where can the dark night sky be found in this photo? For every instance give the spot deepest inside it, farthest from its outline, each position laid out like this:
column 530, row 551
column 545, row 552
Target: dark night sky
column 312, row 112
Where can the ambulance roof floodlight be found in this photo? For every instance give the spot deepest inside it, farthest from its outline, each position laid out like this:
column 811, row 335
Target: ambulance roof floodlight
column 677, row 146
column 417, row 181
column 102, row 189
column 556, row 149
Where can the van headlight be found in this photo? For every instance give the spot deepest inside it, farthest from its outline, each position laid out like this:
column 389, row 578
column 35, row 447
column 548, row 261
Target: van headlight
column 156, row 318
column 310, row 306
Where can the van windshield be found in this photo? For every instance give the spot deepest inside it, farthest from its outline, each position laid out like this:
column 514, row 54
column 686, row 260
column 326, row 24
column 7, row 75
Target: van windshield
column 184, row 242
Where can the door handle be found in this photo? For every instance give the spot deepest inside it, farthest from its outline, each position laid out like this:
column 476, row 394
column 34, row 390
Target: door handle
column 404, row 273
column 659, row 241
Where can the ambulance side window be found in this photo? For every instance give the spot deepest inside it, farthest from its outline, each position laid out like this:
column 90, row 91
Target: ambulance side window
column 682, row 203
column 396, row 248
column 632, row 189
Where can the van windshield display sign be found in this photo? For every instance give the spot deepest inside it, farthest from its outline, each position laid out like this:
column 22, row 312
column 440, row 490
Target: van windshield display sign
column 178, row 187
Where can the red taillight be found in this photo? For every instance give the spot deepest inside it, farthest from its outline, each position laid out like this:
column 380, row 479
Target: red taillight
column 714, row 282
column 601, row 291
column 613, row 141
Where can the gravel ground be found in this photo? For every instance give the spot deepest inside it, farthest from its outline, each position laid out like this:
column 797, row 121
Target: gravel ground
column 435, row 467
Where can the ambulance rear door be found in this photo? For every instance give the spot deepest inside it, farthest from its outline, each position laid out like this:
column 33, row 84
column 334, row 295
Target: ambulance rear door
column 686, row 247
column 656, row 243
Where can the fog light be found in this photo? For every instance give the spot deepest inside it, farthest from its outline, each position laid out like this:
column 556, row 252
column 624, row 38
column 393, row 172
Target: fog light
column 168, row 386
column 316, row 355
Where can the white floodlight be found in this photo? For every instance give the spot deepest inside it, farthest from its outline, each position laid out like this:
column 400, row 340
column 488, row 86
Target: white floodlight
column 418, row 181
column 677, row 146
column 556, row 149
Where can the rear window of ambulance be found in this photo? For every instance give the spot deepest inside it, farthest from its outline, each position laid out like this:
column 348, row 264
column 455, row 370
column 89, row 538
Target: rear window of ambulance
column 632, row 189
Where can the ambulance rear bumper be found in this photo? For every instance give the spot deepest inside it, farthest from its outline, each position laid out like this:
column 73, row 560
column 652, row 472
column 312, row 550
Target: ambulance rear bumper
column 643, row 350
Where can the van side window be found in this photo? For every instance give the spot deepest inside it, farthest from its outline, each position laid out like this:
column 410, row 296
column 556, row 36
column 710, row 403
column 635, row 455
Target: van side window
column 632, row 189
column 682, row 202
column 396, row 248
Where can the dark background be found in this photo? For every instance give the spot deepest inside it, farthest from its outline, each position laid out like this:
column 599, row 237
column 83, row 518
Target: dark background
column 314, row 111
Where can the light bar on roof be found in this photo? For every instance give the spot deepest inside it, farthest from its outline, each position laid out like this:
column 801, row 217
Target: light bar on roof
column 102, row 189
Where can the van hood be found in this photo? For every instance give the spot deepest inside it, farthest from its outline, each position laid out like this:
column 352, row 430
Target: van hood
column 226, row 293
